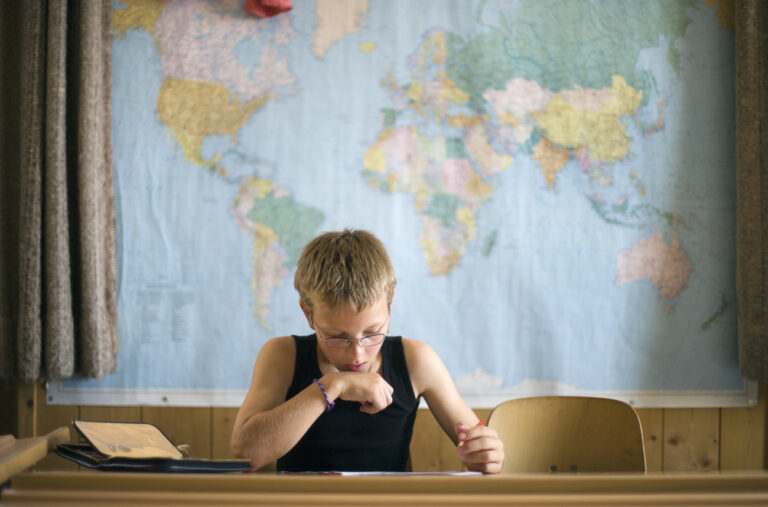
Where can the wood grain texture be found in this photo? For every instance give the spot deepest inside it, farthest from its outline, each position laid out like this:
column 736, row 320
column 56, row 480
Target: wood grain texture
column 47, row 419
column 431, row 449
column 94, row 488
column 26, row 409
column 17, row 455
column 110, row 414
column 222, row 422
column 691, row 439
column 742, row 430
column 652, row 421
column 675, row 439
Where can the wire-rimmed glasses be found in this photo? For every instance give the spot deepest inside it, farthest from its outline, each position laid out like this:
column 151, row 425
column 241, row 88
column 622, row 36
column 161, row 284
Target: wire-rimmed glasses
column 338, row 342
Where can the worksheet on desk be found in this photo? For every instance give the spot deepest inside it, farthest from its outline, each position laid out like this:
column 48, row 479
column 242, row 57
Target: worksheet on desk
column 381, row 474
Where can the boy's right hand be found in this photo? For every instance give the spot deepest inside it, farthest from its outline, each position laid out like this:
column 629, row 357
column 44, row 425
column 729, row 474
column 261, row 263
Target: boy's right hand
column 369, row 389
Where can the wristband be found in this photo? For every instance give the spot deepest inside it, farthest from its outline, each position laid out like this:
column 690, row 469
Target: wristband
column 328, row 403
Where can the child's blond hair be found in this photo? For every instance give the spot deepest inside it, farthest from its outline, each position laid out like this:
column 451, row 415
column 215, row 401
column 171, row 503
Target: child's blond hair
column 349, row 267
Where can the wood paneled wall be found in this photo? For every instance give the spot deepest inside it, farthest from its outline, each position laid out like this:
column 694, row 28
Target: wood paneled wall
column 703, row 439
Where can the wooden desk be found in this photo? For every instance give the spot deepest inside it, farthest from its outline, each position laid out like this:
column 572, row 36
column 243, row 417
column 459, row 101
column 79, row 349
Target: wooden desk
column 17, row 455
column 101, row 488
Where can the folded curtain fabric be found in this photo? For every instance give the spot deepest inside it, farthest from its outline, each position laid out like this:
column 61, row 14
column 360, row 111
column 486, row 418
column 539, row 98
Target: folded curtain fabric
column 751, row 29
column 58, row 312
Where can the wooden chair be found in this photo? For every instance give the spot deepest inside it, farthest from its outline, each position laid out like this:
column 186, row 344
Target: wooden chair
column 569, row 434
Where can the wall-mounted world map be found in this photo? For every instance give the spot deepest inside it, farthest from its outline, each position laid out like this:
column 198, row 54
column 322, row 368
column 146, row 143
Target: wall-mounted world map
column 554, row 181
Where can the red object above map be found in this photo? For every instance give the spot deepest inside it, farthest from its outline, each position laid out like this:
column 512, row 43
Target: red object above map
column 267, row 8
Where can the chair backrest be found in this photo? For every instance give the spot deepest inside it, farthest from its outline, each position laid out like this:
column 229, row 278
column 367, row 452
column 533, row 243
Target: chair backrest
column 569, row 434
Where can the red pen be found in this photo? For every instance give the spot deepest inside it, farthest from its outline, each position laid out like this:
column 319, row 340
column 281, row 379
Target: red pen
column 481, row 423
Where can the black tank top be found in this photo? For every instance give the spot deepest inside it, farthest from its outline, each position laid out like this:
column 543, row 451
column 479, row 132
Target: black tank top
column 345, row 439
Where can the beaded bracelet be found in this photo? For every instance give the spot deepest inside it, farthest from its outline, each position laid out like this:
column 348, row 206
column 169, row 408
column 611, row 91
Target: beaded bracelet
column 328, row 403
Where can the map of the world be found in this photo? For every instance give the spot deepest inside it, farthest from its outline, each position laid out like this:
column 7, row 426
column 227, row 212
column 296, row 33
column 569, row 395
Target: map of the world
column 554, row 182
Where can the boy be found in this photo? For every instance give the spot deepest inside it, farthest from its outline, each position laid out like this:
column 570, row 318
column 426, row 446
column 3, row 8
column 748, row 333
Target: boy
column 345, row 397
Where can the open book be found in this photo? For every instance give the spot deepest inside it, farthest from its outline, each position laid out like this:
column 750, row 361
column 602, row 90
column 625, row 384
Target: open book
column 136, row 447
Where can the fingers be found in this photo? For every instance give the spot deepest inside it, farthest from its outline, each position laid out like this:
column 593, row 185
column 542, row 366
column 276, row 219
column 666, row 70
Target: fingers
column 462, row 431
column 369, row 389
column 465, row 432
column 491, row 467
column 480, row 449
column 486, row 460
column 379, row 400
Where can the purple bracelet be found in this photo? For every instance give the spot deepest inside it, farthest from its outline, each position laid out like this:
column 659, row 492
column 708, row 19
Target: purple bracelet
column 328, row 403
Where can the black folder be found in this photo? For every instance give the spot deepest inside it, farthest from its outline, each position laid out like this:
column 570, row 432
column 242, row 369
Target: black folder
column 136, row 447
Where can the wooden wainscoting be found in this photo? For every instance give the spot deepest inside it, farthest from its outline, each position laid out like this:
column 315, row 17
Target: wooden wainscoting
column 699, row 439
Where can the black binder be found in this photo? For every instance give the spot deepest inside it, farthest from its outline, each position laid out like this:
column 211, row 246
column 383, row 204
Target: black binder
column 136, row 447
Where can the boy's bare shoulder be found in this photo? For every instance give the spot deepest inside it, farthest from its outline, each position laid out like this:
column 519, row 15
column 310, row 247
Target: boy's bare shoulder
column 418, row 353
column 424, row 366
column 279, row 350
column 414, row 345
column 280, row 342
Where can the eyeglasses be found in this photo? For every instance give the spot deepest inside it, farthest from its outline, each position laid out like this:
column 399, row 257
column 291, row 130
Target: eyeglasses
column 336, row 342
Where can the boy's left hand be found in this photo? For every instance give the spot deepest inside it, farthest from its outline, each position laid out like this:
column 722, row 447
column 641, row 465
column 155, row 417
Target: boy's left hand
column 480, row 448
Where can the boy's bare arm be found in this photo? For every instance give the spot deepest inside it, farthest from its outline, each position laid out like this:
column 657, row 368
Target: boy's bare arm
column 431, row 379
column 267, row 426
column 478, row 446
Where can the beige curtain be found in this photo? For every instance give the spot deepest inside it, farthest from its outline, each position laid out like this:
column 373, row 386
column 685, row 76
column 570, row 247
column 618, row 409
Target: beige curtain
column 57, row 262
column 752, row 185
